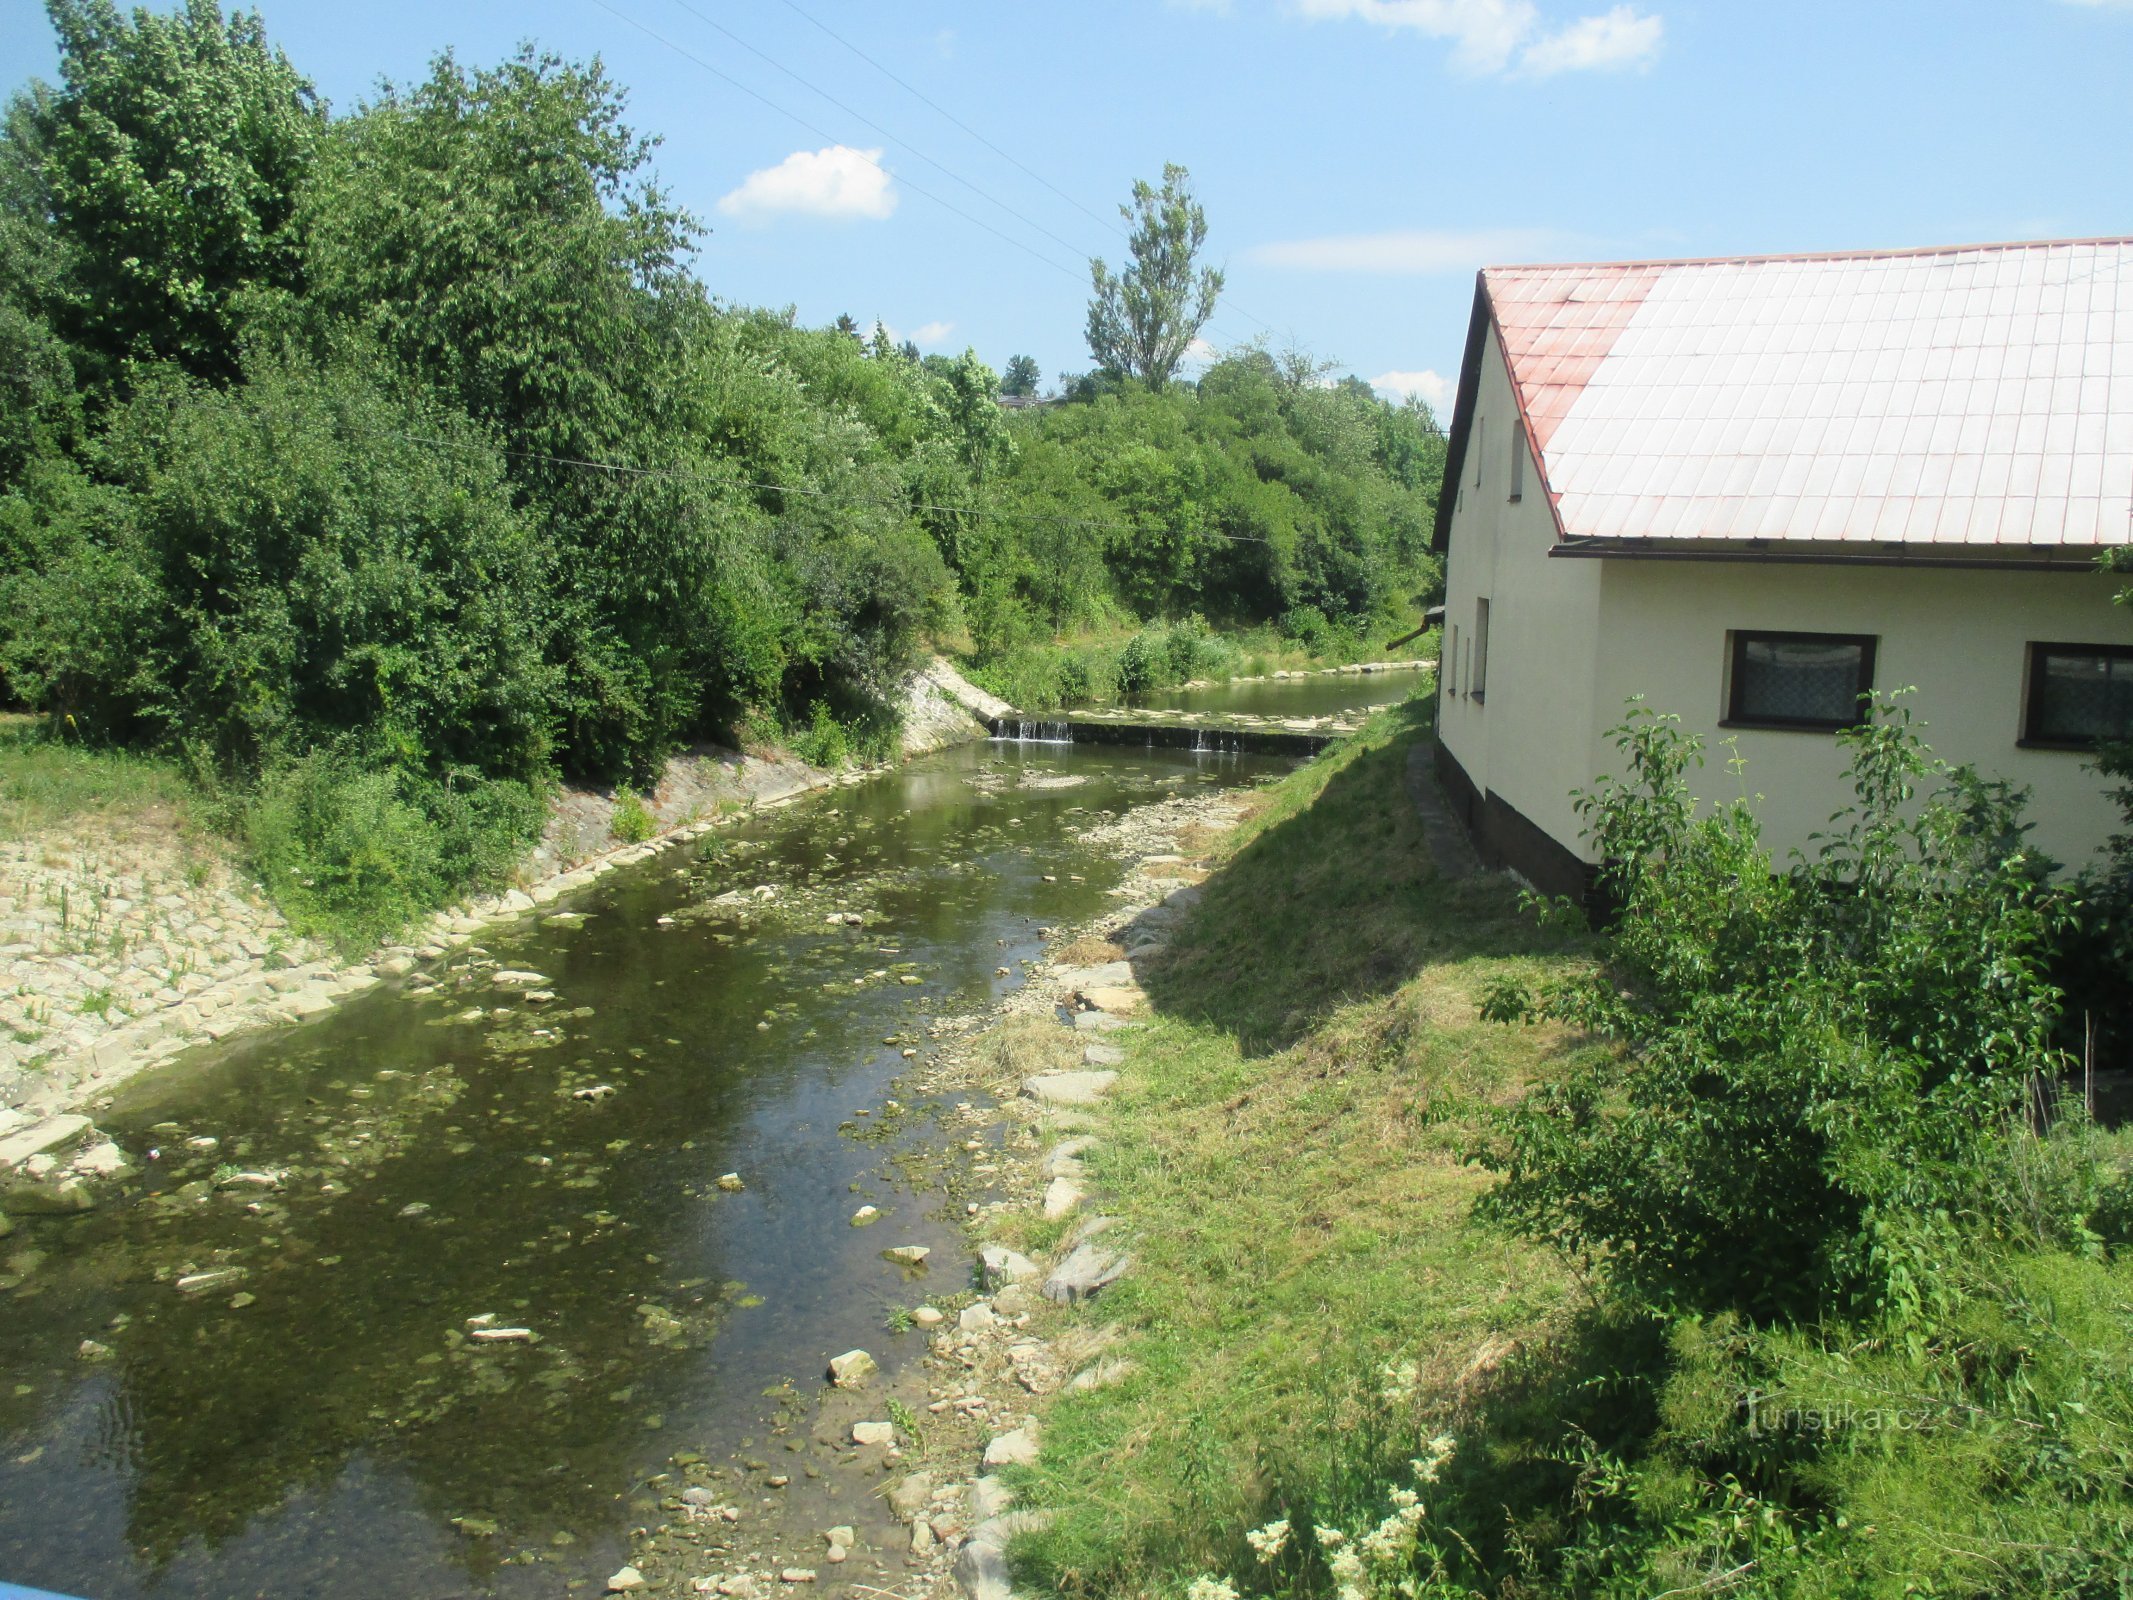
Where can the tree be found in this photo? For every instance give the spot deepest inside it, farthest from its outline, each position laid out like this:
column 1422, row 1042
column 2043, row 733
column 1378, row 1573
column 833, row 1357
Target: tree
column 1021, row 377
column 847, row 326
column 174, row 157
column 1142, row 320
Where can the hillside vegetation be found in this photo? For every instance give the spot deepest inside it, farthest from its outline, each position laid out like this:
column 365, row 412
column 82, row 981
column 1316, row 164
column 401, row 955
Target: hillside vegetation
column 379, row 465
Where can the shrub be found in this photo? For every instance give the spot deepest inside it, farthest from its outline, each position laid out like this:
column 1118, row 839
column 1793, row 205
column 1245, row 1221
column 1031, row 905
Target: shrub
column 824, row 742
column 1811, row 1059
column 352, row 852
column 631, row 822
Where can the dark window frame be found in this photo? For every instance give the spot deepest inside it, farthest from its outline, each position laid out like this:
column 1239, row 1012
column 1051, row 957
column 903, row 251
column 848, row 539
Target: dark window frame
column 2034, row 653
column 1741, row 638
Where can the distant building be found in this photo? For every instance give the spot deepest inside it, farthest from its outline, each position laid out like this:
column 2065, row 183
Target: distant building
column 1024, row 402
column 1751, row 489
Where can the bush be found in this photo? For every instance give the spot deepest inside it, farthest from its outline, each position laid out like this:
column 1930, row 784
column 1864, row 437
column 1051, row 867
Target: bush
column 1812, row 1059
column 631, row 822
column 352, row 852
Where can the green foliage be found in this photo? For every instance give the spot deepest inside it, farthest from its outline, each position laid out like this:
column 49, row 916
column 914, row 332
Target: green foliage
column 1814, row 1058
column 631, row 823
column 1022, row 377
column 173, row 156
column 353, row 851
column 1142, row 319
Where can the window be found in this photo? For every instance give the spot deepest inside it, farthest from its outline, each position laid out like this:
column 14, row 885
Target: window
column 1799, row 680
column 1518, row 462
column 1451, row 664
column 1481, row 432
column 1478, row 680
column 2079, row 694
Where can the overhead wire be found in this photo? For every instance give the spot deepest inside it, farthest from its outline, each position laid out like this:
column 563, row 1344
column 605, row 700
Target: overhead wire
column 822, row 133
column 934, row 105
column 853, row 111
column 849, row 110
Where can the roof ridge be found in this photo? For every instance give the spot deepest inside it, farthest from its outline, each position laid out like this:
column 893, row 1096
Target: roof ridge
column 1863, row 254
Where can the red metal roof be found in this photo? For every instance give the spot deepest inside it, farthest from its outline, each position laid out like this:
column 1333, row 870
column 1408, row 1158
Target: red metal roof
column 1976, row 395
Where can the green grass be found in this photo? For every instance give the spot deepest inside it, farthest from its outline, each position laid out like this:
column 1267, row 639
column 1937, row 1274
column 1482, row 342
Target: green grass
column 1313, row 1297
column 46, row 784
column 1102, row 664
column 1288, row 1149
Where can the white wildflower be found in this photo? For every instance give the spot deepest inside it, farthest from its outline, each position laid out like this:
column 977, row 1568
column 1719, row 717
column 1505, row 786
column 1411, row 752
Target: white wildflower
column 1269, row 1541
column 1330, row 1538
column 1401, row 1382
column 1210, row 1588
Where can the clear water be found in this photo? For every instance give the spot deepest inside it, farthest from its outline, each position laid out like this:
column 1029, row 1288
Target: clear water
column 339, row 1435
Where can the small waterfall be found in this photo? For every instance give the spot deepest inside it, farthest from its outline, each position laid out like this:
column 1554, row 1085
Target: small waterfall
column 1028, row 732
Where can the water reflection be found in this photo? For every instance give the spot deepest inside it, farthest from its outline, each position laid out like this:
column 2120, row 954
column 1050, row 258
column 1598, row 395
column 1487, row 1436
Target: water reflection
column 268, row 1374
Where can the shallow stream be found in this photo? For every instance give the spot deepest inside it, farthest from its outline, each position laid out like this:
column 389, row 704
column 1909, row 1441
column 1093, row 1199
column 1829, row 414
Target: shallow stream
column 265, row 1374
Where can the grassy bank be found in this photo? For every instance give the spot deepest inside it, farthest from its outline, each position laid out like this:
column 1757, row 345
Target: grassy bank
column 1327, row 1337
column 1107, row 665
column 1289, row 1150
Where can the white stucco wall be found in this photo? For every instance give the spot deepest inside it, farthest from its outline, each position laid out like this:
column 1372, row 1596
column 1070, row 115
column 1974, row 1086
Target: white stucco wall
column 1571, row 639
column 1531, row 737
column 1958, row 636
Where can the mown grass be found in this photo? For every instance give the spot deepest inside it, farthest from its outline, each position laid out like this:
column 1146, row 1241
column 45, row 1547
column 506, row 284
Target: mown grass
column 47, row 784
column 1289, row 1151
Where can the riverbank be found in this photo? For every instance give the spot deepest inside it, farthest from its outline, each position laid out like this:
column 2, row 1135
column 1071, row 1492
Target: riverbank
column 128, row 934
column 1284, row 1152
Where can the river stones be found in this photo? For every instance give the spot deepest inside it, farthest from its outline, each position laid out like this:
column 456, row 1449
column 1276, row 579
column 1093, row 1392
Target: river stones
column 864, row 1433
column 517, row 978
column 1116, row 999
column 1069, row 1088
column 41, row 1138
column 1016, row 1449
column 1102, row 1055
column 1061, row 1196
column 998, row 1264
column 1085, row 1274
column 624, row 1581
column 731, row 1183
column 907, row 1255
column 852, row 1368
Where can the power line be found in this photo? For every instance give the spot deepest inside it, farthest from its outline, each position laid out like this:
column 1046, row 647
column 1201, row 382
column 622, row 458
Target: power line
column 1100, row 220
column 852, row 111
column 822, row 133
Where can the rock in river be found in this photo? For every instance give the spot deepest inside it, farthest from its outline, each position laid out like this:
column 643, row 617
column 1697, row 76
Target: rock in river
column 852, row 1368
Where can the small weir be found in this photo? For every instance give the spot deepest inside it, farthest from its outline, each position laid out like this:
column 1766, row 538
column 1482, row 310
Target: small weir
column 1161, row 736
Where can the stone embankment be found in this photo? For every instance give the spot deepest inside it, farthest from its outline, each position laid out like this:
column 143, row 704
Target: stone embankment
column 119, row 950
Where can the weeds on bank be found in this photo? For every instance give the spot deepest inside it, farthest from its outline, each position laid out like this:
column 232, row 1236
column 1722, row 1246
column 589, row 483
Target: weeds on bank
column 1288, row 1148
column 1353, row 1381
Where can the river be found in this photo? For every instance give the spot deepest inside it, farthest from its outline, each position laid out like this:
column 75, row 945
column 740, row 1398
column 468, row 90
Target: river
column 265, row 1373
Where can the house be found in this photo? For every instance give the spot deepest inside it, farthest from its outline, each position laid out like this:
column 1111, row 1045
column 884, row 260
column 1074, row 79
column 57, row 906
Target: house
column 1751, row 489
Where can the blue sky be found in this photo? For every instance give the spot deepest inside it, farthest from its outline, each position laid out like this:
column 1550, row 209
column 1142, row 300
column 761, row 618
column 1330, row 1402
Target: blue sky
column 1358, row 159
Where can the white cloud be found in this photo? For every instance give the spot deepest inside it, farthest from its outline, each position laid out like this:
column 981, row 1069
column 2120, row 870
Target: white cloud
column 1620, row 38
column 931, row 335
column 1432, row 386
column 1407, row 251
column 944, row 44
column 1489, row 36
column 836, row 182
